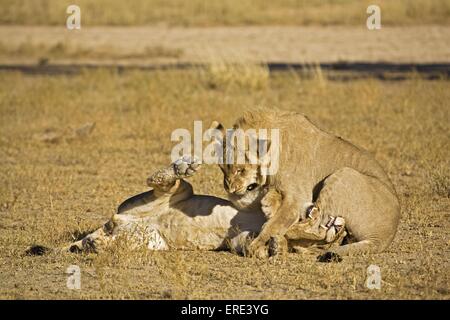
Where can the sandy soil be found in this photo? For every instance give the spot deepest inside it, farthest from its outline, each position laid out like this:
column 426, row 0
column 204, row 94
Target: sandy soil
column 268, row 44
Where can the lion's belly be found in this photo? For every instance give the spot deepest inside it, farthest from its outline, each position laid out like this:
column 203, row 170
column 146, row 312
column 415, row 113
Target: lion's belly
column 184, row 230
column 202, row 223
column 207, row 231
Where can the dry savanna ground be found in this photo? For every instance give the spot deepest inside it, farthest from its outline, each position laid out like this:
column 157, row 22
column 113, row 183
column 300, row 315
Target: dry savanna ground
column 156, row 31
column 143, row 45
column 62, row 177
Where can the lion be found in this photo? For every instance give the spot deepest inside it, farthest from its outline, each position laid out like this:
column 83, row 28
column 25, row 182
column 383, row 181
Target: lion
column 343, row 203
column 172, row 217
column 320, row 177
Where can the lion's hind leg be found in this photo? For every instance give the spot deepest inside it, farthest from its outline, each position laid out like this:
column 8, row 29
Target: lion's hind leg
column 93, row 242
column 369, row 208
column 165, row 179
column 317, row 232
column 318, row 227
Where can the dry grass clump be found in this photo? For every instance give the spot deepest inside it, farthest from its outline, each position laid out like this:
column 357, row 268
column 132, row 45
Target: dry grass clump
column 222, row 74
column 439, row 180
column 231, row 12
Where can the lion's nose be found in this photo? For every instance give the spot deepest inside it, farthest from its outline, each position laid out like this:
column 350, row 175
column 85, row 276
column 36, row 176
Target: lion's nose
column 231, row 187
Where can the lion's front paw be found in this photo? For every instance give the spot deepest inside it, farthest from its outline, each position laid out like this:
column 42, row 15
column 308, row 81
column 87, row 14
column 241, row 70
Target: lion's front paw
column 186, row 166
column 278, row 246
column 257, row 249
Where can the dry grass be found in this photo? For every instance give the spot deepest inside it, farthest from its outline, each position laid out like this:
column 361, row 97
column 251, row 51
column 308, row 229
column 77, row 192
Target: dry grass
column 51, row 192
column 230, row 12
column 439, row 178
column 222, row 74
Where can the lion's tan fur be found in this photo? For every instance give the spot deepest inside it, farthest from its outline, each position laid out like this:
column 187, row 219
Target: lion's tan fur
column 316, row 166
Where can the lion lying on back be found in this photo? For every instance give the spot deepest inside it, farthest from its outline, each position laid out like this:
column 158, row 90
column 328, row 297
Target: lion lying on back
column 320, row 177
column 171, row 216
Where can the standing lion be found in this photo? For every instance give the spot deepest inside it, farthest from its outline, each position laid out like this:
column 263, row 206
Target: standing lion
column 320, row 177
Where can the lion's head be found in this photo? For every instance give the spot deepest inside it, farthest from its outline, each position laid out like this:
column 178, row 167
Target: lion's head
column 244, row 184
column 243, row 180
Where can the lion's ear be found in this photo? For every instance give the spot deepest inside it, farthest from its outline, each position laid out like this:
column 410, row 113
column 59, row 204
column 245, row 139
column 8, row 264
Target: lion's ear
column 218, row 126
column 259, row 152
column 216, row 134
column 263, row 147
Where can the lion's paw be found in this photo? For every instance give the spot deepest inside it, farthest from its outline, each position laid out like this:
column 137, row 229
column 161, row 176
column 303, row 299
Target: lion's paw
column 278, row 246
column 186, row 166
column 257, row 250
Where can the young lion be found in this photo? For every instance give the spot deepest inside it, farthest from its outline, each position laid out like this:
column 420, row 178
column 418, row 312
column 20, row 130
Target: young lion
column 320, row 173
column 171, row 216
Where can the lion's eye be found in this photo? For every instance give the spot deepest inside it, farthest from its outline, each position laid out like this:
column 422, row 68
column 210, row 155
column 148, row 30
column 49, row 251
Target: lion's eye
column 240, row 170
column 252, row 186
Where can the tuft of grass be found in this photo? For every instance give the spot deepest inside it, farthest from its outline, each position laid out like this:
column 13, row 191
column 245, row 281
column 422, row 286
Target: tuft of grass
column 439, row 181
column 222, row 74
column 319, row 76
